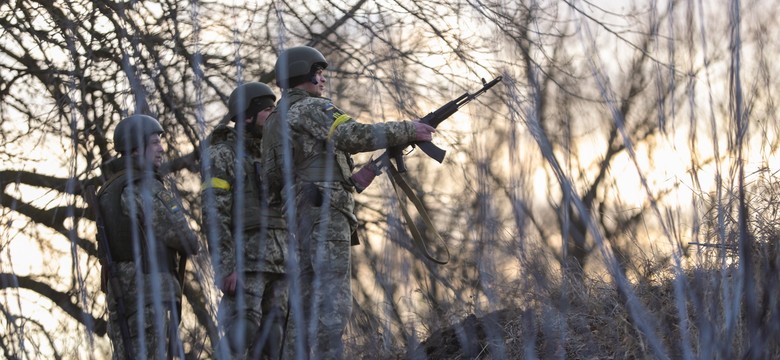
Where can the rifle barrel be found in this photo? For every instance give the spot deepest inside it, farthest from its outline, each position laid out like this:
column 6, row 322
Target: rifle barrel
column 434, row 119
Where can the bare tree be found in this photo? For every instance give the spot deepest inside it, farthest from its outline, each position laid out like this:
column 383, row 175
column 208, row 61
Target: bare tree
column 530, row 201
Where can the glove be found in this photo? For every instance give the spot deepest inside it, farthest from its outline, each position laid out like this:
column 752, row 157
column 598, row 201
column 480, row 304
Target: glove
column 423, row 132
column 365, row 175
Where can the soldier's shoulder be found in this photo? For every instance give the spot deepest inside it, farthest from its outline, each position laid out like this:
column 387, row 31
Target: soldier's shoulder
column 222, row 160
column 222, row 148
column 316, row 103
column 168, row 200
column 222, row 133
column 222, row 139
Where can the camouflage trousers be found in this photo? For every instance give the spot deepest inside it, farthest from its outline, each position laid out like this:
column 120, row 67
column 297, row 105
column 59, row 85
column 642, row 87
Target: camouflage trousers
column 160, row 334
column 326, row 292
column 253, row 319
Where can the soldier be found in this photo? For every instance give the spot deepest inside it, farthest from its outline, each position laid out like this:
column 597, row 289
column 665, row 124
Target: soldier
column 322, row 139
column 147, row 234
column 249, row 237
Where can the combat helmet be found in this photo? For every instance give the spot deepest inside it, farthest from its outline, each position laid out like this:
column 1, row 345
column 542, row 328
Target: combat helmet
column 133, row 132
column 295, row 65
column 249, row 99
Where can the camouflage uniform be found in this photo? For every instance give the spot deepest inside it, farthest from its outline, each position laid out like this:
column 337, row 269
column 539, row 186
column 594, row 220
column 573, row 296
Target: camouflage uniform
column 262, row 298
column 323, row 138
column 153, row 306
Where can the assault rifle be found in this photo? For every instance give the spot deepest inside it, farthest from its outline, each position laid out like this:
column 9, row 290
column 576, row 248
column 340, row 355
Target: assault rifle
column 113, row 277
column 434, row 119
column 396, row 153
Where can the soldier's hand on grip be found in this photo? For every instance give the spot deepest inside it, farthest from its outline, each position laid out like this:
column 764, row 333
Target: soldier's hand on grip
column 366, row 175
column 423, row 132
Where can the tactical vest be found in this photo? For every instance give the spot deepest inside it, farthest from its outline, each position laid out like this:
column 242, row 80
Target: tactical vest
column 121, row 230
column 321, row 166
column 255, row 209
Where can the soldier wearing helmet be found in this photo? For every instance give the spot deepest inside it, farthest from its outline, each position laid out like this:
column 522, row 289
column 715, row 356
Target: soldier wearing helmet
column 134, row 200
column 321, row 139
column 247, row 237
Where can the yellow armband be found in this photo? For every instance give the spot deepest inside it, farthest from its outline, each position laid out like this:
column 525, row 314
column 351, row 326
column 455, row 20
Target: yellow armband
column 338, row 121
column 217, row 183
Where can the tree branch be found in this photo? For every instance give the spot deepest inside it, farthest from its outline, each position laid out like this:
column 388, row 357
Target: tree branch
column 63, row 300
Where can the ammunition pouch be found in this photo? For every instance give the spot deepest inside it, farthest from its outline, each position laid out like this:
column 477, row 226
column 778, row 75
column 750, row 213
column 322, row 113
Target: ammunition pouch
column 310, row 196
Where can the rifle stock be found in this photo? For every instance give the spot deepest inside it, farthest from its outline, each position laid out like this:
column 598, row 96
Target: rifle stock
column 107, row 261
column 434, row 119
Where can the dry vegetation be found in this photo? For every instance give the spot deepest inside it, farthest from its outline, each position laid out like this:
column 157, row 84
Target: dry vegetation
column 532, row 192
column 592, row 323
column 590, row 320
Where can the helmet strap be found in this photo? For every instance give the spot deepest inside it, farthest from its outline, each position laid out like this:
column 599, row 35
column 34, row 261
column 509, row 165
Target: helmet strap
column 313, row 73
column 254, row 129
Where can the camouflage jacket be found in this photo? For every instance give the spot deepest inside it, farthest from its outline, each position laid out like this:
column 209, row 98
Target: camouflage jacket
column 250, row 213
column 323, row 138
column 151, row 204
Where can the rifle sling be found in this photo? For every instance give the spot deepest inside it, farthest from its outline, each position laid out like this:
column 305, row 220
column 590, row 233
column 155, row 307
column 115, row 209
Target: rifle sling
column 419, row 240
column 174, row 348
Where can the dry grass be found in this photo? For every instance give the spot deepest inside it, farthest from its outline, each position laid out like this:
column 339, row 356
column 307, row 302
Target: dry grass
column 594, row 324
column 590, row 321
column 718, row 306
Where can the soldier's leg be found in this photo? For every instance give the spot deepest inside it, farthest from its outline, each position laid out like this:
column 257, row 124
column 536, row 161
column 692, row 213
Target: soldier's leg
column 333, row 291
column 115, row 332
column 241, row 315
column 153, row 344
column 149, row 345
column 294, row 344
column 300, row 325
column 155, row 333
column 115, row 335
column 269, row 340
column 175, row 345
